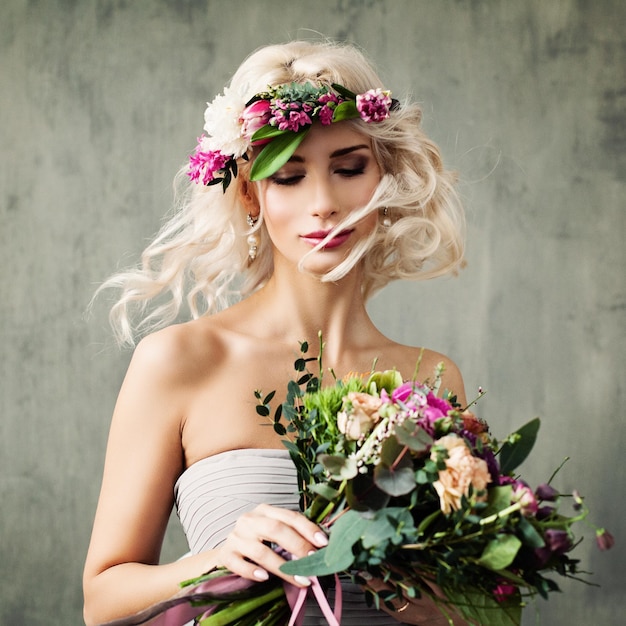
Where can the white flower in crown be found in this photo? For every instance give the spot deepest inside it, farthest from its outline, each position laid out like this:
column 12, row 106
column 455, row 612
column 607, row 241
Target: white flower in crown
column 223, row 125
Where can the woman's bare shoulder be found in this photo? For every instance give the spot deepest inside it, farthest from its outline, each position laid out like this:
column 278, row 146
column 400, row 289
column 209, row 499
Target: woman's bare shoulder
column 181, row 352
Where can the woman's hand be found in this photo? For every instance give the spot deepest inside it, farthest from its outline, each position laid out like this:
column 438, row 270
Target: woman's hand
column 422, row 611
column 247, row 550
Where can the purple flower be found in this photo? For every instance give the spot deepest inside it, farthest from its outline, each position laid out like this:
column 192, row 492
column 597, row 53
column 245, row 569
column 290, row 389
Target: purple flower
column 557, row 542
column 544, row 512
column 373, row 105
column 546, row 492
column 604, row 539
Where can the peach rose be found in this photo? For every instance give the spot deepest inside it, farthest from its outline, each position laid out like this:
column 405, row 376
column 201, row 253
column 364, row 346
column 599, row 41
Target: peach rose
column 462, row 471
column 364, row 414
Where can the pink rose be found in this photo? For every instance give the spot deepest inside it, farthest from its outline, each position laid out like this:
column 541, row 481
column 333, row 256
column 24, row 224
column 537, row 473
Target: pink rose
column 462, row 472
column 254, row 117
column 361, row 418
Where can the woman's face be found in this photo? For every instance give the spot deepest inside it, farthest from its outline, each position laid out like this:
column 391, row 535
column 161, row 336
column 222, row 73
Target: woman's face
column 332, row 173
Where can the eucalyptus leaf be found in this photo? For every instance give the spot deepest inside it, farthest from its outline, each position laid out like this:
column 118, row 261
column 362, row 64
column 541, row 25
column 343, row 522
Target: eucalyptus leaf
column 313, row 565
column 324, row 490
column 515, row 451
column 362, row 494
column 395, row 482
column 390, row 453
column 387, row 524
column 276, row 153
column 410, row 434
column 335, row 557
column 339, row 467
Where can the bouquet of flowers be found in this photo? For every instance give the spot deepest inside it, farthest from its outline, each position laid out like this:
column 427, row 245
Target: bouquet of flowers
column 413, row 490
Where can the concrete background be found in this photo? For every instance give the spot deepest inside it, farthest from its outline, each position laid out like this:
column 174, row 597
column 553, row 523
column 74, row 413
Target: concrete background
column 101, row 101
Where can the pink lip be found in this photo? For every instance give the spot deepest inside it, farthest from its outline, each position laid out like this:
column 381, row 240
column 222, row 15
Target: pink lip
column 318, row 236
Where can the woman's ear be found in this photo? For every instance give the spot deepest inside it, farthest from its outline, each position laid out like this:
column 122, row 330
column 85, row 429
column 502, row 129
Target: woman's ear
column 248, row 198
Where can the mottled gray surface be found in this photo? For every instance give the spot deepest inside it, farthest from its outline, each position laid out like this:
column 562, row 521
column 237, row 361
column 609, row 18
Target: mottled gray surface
column 100, row 101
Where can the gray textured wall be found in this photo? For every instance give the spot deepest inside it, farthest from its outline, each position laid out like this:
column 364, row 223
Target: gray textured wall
column 100, row 101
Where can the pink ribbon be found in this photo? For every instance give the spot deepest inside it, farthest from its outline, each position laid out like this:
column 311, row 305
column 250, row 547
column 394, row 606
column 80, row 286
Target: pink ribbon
column 297, row 596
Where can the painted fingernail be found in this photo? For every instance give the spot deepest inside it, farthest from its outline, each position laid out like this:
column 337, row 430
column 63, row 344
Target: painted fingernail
column 302, row 580
column 260, row 574
column 320, row 539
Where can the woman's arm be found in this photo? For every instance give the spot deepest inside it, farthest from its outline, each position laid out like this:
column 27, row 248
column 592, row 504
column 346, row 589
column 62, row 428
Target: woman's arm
column 143, row 461
column 144, row 458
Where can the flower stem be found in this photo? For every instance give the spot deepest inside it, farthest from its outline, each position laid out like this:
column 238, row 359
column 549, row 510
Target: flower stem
column 242, row 608
column 500, row 514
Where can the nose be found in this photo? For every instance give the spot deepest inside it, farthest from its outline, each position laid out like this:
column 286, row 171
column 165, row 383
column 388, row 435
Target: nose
column 323, row 202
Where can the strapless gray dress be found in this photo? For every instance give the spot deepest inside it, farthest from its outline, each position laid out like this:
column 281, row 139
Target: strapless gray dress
column 212, row 493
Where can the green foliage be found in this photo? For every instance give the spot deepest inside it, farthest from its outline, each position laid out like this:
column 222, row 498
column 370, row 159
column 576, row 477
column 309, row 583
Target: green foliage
column 518, row 446
column 276, row 153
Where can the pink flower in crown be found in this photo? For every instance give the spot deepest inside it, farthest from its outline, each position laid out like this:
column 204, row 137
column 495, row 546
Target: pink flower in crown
column 326, row 115
column 204, row 164
column 277, row 103
column 327, row 97
column 255, row 116
column 295, row 121
column 374, row 105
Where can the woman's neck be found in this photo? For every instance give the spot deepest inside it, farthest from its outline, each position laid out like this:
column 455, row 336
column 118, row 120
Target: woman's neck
column 298, row 307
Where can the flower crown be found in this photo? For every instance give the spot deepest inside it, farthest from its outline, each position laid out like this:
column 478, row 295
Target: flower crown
column 279, row 119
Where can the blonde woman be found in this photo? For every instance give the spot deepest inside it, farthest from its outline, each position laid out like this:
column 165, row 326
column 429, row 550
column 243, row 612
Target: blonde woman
column 274, row 239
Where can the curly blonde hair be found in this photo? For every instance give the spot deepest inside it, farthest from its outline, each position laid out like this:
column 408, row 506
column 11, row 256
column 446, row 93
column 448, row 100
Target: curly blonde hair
column 200, row 256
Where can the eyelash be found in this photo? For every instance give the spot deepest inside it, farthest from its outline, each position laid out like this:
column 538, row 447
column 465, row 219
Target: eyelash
column 293, row 180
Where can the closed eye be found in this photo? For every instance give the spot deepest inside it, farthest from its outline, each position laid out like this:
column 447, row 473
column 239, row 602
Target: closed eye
column 350, row 172
column 287, row 180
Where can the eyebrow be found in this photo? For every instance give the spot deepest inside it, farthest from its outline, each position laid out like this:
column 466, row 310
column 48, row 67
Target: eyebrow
column 337, row 153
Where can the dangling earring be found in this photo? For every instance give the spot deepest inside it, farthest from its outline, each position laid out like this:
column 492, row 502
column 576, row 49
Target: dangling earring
column 253, row 240
column 386, row 218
